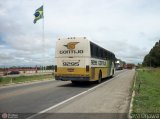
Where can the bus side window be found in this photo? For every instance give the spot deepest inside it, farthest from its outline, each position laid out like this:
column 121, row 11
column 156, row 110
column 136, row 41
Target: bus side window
column 107, row 56
column 92, row 50
column 95, row 51
column 100, row 52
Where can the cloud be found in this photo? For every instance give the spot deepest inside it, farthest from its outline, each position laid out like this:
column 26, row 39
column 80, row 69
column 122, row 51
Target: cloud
column 129, row 28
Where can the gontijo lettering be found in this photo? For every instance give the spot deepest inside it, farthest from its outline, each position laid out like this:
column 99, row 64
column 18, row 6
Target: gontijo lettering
column 71, row 51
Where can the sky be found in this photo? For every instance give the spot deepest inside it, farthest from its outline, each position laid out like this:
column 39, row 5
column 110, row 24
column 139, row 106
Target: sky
column 128, row 28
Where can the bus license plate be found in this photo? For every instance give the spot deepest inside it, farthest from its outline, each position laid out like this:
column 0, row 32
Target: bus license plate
column 70, row 69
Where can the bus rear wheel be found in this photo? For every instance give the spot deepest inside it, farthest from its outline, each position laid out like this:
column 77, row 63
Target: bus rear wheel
column 99, row 78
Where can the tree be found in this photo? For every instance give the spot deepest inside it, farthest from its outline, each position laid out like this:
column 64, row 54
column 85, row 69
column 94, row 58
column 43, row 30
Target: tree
column 153, row 58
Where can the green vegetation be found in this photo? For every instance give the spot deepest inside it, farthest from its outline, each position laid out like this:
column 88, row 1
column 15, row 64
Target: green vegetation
column 153, row 58
column 147, row 91
column 19, row 79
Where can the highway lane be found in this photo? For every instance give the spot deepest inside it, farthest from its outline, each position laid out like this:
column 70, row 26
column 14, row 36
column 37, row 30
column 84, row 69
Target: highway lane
column 109, row 100
column 33, row 98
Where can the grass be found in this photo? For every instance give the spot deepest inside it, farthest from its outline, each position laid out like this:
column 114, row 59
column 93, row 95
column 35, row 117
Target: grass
column 20, row 79
column 147, row 91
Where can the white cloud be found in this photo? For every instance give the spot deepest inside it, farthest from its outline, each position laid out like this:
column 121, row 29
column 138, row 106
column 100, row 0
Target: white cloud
column 129, row 28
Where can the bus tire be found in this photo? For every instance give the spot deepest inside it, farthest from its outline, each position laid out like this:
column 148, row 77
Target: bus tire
column 99, row 78
column 74, row 82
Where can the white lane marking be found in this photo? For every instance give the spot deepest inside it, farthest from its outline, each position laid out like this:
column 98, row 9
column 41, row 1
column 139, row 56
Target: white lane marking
column 56, row 105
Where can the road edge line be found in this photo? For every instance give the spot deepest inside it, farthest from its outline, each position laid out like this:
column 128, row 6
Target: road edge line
column 133, row 94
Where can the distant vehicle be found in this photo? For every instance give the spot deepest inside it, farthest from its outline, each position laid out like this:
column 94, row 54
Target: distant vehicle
column 119, row 64
column 13, row 72
column 78, row 59
column 129, row 66
column 5, row 73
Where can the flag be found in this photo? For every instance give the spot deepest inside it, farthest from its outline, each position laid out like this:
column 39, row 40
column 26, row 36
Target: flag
column 38, row 14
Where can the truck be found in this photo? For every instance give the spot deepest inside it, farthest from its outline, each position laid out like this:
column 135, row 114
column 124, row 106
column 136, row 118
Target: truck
column 119, row 64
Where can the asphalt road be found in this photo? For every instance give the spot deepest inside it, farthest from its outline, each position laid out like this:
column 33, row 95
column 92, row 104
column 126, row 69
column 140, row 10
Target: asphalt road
column 30, row 99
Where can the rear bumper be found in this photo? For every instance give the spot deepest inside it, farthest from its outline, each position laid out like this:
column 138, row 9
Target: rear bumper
column 71, row 78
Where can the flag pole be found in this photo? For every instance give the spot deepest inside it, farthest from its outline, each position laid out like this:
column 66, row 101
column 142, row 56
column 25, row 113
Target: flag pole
column 43, row 37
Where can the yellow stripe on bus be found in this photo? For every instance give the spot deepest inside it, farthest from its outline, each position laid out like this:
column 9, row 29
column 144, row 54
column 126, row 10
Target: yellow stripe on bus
column 93, row 73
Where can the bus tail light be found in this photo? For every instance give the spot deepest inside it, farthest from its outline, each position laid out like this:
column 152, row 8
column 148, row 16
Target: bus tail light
column 55, row 68
column 87, row 68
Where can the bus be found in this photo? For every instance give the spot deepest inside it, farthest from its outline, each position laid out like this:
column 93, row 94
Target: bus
column 79, row 59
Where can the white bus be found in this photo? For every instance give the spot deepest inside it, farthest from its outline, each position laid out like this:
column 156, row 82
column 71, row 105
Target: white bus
column 78, row 59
